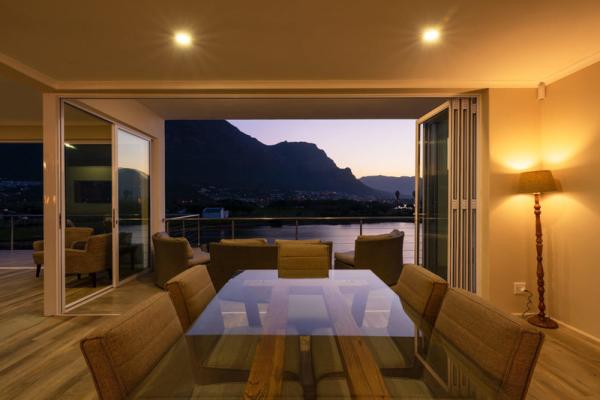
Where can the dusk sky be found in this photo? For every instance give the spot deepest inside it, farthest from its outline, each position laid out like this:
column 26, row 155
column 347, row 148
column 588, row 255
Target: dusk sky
column 368, row 147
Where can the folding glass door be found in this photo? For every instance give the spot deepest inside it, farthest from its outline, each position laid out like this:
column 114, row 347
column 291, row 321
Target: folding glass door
column 106, row 187
column 446, row 206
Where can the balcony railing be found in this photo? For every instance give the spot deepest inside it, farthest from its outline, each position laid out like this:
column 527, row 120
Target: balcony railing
column 20, row 230
column 342, row 231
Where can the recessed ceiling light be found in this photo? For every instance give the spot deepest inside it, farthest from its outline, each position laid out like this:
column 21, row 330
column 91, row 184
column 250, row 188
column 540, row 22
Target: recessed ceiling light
column 431, row 35
column 183, row 39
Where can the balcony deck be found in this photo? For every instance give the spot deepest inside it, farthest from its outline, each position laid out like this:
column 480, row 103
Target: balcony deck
column 40, row 356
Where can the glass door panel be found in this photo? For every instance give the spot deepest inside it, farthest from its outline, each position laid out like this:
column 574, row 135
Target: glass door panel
column 133, row 158
column 87, row 222
column 432, row 191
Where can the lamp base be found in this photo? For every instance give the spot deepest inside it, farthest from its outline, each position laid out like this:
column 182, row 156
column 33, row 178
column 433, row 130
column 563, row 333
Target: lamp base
column 542, row 322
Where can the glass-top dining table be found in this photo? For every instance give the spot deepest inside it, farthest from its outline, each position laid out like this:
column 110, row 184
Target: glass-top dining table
column 346, row 335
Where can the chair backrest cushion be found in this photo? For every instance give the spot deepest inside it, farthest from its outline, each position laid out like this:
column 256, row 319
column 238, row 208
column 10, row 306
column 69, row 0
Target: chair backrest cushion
column 190, row 292
column 122, row 352
column 99, row 249
column 171, row 257
column 422, row 290
column 504, row 347
column 303, row 260
column 382, row 254
column 226, row 259
column 75, row 234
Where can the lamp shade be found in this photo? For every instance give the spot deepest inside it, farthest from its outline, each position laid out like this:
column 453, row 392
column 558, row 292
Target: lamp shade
column 537, row 182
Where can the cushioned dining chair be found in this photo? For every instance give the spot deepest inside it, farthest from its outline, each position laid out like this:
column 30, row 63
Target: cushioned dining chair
column 492, row 350
column 173, row 255
column 497, row 345
column 309, row 241
column 303, row 260
column 218, row 358
column 231, row 256
column 421, row 293
column 382, row 254
column 190, row 292
column 122, row 352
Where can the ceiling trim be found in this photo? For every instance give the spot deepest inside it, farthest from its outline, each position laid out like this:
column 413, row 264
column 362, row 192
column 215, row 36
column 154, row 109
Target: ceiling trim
column 293, row 85
column 25, row 72
column 574, row 67
column 48, row 83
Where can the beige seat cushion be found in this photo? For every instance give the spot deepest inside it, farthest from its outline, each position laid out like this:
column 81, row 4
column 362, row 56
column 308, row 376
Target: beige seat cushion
column 245, row 242
column 422, row 290
column 297, row 241
column 392, row 234
column 38, row 258
column 124, row 350
column 345, row 257
column 199, row 257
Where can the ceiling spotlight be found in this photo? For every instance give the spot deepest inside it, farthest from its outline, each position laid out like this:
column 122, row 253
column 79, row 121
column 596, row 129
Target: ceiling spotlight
column 183, row 39
column 431, row 35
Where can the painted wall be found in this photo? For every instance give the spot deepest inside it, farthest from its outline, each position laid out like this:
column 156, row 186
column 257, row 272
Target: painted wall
column 560, row 133
column 513, row 122
column 570, row 147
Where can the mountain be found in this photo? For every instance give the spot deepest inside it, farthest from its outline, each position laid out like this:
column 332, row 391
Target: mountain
column 21, row 161
column 389, row 184
column 216, row 153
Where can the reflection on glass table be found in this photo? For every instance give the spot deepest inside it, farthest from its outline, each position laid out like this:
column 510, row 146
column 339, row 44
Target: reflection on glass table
column 345, row 336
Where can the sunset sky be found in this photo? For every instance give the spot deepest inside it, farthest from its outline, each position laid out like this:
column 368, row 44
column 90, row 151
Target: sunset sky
column 368, row 147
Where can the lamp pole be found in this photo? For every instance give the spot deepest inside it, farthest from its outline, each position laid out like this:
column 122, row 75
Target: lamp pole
column 540, row 318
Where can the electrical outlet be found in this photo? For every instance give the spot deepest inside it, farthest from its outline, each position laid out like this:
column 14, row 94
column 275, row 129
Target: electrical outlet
column 519, row 287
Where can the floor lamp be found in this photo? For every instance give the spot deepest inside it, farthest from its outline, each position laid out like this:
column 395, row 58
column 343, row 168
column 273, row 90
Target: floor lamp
column 538, row 182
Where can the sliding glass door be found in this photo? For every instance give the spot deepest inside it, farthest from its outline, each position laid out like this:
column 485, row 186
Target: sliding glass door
column 133, row 175
column 87, row 222
column 106, row 224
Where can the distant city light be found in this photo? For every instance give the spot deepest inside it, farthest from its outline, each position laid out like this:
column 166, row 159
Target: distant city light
column 431, row 35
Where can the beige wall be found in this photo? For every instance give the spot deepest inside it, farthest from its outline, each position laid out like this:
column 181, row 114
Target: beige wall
column 513, row 136
column 570, row 147
column 561, row 133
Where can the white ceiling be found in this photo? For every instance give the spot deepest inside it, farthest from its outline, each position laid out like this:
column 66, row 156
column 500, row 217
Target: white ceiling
column 359, row 43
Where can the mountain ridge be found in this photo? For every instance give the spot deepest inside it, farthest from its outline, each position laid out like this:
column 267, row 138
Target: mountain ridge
column 216, row 153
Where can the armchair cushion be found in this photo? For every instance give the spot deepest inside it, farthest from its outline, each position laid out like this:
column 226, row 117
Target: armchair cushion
column 345, row 257
column 245, row 242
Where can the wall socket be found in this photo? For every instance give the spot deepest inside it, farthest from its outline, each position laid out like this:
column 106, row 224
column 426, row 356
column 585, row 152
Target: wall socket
column 519, row 287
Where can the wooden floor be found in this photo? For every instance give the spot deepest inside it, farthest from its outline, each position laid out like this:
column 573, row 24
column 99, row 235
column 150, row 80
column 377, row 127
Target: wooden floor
column 40, row 357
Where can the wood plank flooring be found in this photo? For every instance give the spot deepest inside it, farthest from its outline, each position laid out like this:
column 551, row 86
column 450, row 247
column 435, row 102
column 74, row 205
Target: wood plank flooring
column 40, row 356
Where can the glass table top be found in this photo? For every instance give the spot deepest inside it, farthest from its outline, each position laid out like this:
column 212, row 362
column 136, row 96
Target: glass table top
column 341, row 337
column 346, row 303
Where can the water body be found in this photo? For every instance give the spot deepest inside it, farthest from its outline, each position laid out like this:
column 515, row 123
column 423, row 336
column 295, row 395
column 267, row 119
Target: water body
column 342, row 235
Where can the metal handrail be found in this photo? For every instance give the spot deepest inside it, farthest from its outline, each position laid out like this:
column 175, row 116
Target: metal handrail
column 232, row 221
